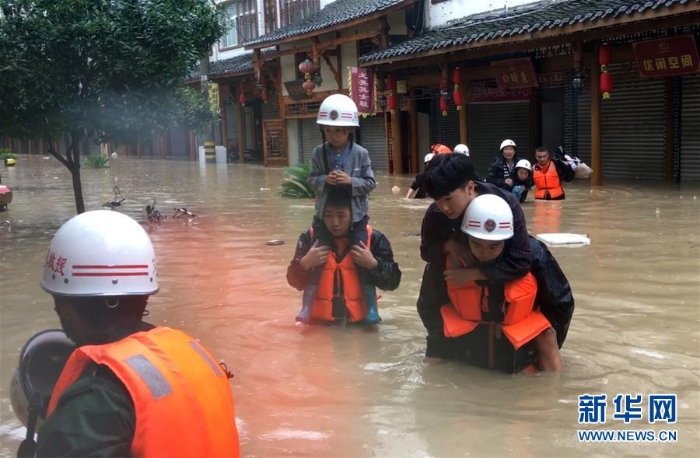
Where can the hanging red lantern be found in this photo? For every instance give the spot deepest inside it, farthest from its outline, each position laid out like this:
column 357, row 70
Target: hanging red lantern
column 606, row 84
column 456, row 77
column 264, row 95
column 443, row 106
column 390, row 86
column 306, row 67
column 391, row 102
column 309, row 87
column 457, row 97
column 241, row 93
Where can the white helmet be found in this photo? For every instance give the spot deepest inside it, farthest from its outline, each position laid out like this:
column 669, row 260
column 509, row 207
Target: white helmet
column 507, row 142
column 488, row 217
column 428, row 158
column 338, row 110
column 100, row 253
column 523, row 164
column 461, row 149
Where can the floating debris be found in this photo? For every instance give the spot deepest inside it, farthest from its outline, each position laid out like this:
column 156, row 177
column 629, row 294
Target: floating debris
column 275, row 242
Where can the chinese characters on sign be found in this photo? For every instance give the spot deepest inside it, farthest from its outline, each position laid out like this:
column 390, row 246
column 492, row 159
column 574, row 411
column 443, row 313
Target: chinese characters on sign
column 514, row 73
column 667, row 56
column 481, row 94
column 214, row 97
column 660, row 408
column 362, row 89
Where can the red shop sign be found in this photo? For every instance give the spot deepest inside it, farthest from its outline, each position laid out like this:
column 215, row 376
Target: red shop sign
column 514, row 73
column 362, row 89
column 667, row 56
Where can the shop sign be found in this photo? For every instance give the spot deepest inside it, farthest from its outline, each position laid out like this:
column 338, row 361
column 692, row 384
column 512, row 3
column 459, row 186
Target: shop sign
column 480, row 94
column 514, row 73
column 362, row 89
column 667, row 56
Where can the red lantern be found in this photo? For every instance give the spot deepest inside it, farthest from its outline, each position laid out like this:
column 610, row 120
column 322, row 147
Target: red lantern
column 606, row 84
column 241, row 95
column 457, row 97
column 604, row 55
column 306, row 67
column 390, row 86
column 442, row 84
column 456, row 77
column 309, row 86
column 264, row 95
column 443, row 106
column 391, row 102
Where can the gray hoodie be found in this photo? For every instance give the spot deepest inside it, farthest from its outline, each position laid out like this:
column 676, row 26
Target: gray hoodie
column 358, row 166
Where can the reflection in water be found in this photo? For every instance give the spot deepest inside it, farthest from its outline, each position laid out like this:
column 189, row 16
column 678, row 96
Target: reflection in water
column 329, row 391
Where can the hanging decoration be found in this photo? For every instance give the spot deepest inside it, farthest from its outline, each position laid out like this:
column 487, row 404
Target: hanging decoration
column 241, row 93
column 307, row 68
column 606, row 80
column 444, row 94
column 391, row 97
column 457, row 94
column 263, row 89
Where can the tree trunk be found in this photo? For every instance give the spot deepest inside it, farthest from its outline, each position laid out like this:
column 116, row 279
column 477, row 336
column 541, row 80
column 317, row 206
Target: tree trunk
column 74, row 168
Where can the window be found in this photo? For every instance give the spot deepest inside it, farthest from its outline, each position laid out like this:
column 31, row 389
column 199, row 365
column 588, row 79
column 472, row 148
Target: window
column 244, row 20
column 297, row 10
column 270, row 16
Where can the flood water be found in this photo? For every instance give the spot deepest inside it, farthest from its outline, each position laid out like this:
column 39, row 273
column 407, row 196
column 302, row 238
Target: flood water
column 357, row 392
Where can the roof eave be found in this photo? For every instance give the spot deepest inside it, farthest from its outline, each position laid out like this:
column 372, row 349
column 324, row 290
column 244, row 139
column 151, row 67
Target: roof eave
column 342, row 25
column 674, row 10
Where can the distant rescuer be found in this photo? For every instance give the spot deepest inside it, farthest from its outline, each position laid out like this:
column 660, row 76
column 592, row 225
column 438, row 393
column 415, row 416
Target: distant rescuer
column 548, row 175
column 129, row 388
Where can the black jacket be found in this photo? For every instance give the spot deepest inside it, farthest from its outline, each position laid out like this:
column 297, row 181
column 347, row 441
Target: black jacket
column 498, row 172
column 386, row 276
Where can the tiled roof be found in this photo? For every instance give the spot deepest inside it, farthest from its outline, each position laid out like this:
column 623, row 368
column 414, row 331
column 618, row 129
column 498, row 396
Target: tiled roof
column 332, row 14
column 234, row 66
column 533, row 17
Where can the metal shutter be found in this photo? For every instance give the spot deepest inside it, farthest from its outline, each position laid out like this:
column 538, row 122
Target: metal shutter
column 583, row 145
column 633, row 126
column 309, row 138
column 372, row 136
column 690, row 128
column 231, row 124
column 490, row 124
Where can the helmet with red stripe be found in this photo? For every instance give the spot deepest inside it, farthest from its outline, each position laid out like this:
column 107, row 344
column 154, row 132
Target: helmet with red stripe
column 488, row 217
column 338, row 110
column 100, row 253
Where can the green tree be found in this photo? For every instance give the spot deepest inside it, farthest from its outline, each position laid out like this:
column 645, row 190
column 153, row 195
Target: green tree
column 107, row 70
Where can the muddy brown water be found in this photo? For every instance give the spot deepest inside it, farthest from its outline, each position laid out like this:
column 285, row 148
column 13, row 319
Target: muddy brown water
column 356, row 392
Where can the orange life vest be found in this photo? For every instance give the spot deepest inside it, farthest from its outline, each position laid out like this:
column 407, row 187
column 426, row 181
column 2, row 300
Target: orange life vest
column 521, row 322
column 547, row 182
column 182, row 397
column 339, row 280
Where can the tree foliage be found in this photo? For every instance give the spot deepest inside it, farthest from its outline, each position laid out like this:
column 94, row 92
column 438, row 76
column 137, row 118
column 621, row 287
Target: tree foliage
column 108, row 70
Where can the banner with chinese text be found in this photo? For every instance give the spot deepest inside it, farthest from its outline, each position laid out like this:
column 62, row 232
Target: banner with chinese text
column 667, row 56
column 362, row 89
column 514, row 73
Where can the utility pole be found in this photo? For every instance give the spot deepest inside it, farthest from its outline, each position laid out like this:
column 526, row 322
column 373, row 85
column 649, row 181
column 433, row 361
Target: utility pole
column 208, row 137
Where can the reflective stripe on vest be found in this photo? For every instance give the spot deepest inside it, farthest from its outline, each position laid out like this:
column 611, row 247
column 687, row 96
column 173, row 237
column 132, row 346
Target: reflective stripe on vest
column 182, row 398
column 547, row 181
column 343, row 275
column 521, row 322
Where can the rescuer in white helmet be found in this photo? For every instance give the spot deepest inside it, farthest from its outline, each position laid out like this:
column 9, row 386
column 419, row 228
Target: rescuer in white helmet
column 501, row 172
column 510, row 325
column 130, row 387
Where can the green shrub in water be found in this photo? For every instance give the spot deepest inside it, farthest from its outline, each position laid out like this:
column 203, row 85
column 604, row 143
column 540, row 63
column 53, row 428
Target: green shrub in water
column 96, row 162
column 6, row 154
column 294, row 183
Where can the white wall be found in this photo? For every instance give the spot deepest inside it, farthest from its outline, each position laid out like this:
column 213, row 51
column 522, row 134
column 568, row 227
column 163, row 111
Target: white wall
column 440, row 13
